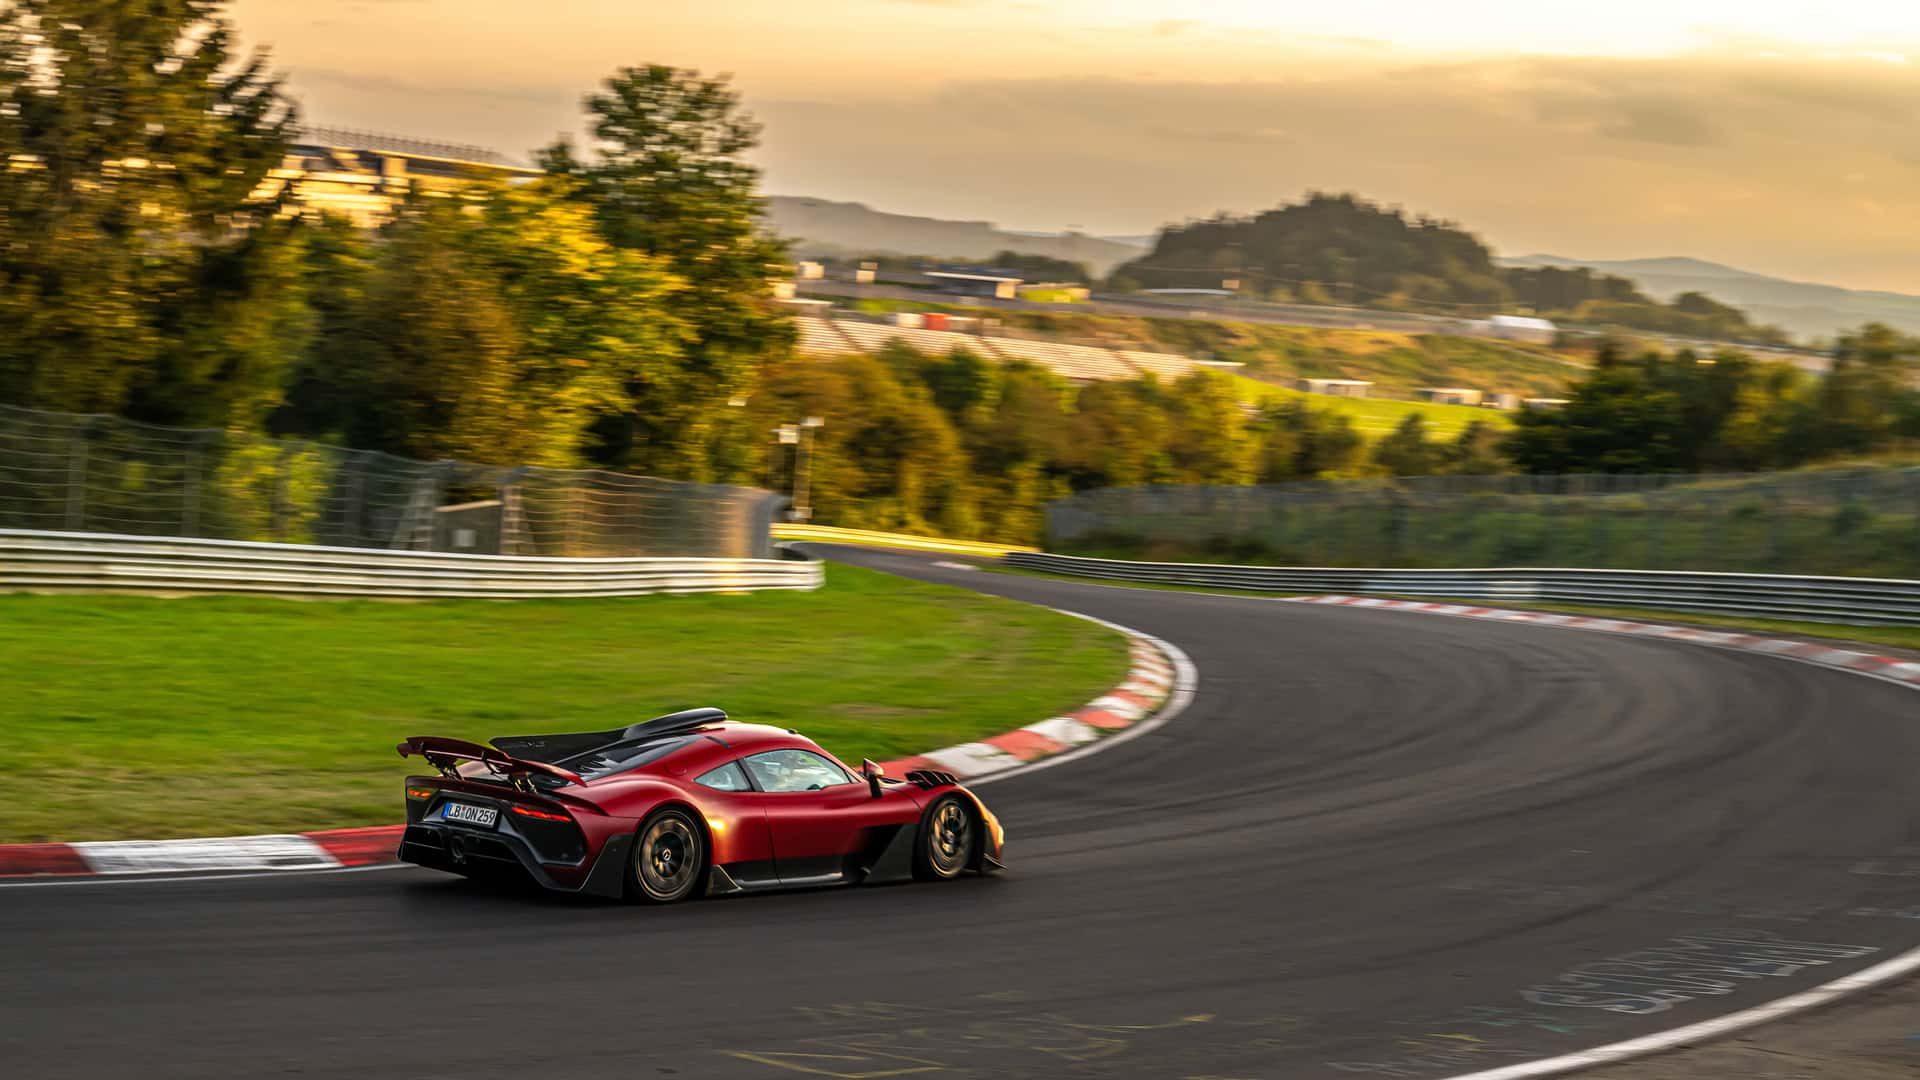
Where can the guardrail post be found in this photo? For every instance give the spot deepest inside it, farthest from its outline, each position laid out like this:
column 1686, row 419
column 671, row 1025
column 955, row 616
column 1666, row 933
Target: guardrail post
column 190, row 499
column 514, row 537
column 77, row 480
column 1397, row 523
column 570, row 542
column 277, row 505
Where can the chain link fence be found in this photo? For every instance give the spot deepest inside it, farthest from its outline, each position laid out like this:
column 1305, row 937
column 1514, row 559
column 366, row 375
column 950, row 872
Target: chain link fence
column 1848, row 522
column 102, row 474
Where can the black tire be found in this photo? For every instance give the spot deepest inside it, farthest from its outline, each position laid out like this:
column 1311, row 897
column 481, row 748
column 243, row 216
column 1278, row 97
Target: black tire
column 669, row 860
column 949, row 840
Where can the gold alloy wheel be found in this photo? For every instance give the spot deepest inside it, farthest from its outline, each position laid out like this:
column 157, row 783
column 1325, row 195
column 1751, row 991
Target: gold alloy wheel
column 950, row 839
column 668, row 858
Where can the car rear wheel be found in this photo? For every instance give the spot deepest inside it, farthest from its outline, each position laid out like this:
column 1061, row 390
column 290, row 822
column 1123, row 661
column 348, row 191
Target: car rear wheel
column 949, row 835
column 668, row 859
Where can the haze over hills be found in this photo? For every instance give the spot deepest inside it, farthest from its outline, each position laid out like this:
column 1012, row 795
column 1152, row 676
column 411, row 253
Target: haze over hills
column 1808, row 310
column 822, row 227
column 1802, row 308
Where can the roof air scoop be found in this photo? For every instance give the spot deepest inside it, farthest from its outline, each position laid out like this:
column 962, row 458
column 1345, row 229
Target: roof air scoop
column 685, row 720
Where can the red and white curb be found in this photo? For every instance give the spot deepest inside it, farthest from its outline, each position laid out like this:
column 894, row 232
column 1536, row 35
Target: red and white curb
column 1889, row 668
column 331, row 849
column 1892, row 668
column 1158, row 686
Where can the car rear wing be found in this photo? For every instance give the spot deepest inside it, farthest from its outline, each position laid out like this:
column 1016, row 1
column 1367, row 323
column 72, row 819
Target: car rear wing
column 446, row 755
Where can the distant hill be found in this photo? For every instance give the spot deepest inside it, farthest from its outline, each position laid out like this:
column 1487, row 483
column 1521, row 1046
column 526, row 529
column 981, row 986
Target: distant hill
column 1801, row 308
column 821, row 227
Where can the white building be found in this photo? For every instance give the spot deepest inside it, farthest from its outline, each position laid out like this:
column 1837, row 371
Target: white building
column 1337, row 387
column 1450, row 395
column 1518, row 328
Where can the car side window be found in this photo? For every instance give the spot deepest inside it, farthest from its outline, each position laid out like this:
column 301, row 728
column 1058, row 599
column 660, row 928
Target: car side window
column 728, row 777
column 795, row 770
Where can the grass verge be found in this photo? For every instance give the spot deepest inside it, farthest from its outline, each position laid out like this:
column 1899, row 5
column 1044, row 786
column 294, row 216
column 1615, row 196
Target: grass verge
column 137, row 717
column 1375, row 418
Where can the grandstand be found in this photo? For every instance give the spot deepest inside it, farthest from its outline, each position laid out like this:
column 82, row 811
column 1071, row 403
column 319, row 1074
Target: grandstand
column 363, row 176
column 819, row 335
column 1166, row 365
column 871, row 337
column 1081, row 363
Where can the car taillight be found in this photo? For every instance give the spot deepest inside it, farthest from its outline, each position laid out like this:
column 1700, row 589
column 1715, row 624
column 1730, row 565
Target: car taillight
column 539, row 815
column 420, row 793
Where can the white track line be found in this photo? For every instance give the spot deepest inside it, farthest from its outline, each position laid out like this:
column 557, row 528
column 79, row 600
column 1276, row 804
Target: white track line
column 1719, row 1027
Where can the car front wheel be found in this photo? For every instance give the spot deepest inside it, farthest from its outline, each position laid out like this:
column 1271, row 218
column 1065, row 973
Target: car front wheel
column 948, row 836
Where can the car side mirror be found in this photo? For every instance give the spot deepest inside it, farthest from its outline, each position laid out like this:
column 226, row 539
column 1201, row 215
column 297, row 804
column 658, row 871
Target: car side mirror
column 871, row 769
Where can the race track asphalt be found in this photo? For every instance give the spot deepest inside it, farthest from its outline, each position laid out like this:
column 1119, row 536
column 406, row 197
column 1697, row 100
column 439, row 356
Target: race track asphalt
column 1368, row 841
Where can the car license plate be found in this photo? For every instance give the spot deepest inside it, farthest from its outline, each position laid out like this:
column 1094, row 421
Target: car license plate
column 484, row 817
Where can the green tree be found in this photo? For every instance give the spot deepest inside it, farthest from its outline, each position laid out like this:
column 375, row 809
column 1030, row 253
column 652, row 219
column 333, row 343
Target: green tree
column 1206, row 439
column 1475, row 451
column 1407, row 451
column 1299, row 442
column 1868, row 391
column 667, row 177
column 139, row 272
column 496, row 333
column 1117, row 436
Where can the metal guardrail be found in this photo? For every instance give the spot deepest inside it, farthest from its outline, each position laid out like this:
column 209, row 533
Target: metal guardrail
column 33, row 561
column 1773, row 596
column 827, row 534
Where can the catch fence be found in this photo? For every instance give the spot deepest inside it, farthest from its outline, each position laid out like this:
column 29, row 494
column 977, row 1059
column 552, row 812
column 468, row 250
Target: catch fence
column 100, row 474
column 1859, row 522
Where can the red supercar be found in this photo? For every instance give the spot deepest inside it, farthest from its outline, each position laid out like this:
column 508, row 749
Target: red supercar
column 687, row 804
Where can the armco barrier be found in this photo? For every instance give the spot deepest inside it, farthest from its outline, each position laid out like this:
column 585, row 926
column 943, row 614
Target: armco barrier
column 1777, row 596
column 827, row 534
column 96, row 562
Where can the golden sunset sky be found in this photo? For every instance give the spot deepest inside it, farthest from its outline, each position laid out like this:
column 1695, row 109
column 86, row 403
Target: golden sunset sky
column 1779, row 137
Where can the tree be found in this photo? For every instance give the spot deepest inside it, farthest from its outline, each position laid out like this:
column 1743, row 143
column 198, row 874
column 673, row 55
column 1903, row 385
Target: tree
column 1475, row 451
column 1406, row 451
column 1299, row 442
column 1862, row 401
column 1116, row 437
column 496, row 333
column 1206, row 438
column 667, row 177
column 139, row 272
column 1043, row 268
column 1327, row 248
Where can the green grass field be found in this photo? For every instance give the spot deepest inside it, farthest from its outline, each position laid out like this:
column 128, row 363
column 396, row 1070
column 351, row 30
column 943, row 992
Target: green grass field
column 1375, row 417
column 136, row 717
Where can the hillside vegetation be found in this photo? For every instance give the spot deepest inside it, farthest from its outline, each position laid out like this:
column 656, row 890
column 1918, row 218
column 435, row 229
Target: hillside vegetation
column 1344, row 249
column 1398, row 363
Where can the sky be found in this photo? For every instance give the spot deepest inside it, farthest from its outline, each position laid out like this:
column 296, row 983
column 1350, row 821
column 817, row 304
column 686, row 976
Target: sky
column 1780, row 137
